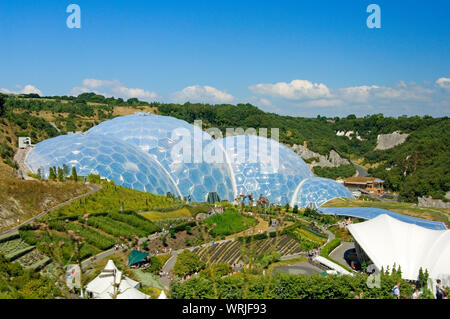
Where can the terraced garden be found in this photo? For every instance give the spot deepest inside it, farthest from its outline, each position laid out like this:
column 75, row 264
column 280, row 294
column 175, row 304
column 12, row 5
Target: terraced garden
column 17, row 250
column 232, row 251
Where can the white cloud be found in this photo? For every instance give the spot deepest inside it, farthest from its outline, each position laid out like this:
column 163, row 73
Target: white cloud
column 112, row 88
column 444, row 83
column 404, row 92
column 27, row 89
column 94, row 83
column 137, row 93
column 202, row 94
column 294, row 90
column 356, row 93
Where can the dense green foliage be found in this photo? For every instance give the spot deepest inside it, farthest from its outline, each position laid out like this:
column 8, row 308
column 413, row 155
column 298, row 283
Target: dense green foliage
column 229, row 222
column 55, row 245
column 113, row 198
column 287, row 286
column 133, row 219
column 91, row 236
column 115, row 227
column 19, row 283
column 420, row 166
column 188, row 263
column 342, row 171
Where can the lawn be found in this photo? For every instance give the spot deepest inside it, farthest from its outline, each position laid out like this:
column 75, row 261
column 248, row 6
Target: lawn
column 229, row 222
column 436, row 214
column 178, row 213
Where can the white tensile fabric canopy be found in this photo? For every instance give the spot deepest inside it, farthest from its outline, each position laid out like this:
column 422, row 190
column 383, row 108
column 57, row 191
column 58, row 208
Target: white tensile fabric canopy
column 110, row 282
column 388, row 241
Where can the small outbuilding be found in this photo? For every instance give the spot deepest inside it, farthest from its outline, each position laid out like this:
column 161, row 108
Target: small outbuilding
column 111, row 284
column 137, row 258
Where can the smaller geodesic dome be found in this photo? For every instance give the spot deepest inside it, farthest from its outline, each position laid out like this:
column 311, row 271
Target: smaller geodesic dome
column 316, row 191
column 121, row 162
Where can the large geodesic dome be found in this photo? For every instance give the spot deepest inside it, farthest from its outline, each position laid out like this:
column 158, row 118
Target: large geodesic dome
column 184, row 150
column 110, row 158
column 161, row 154
column 262, row 166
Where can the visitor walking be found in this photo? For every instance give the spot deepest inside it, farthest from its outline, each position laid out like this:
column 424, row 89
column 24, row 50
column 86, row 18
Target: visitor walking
column 395, row 291
column 416, row 294
column 439, row 290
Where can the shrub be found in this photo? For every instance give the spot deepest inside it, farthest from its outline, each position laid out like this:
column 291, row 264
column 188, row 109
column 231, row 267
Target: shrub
column 188, row 263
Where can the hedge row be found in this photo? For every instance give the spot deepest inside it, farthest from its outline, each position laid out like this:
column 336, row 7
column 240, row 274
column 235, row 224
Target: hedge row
column 257, row 237
column 115, row 227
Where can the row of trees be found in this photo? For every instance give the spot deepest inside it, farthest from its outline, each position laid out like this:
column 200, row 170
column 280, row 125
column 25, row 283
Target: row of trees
column 61, row 173
column 289, row 286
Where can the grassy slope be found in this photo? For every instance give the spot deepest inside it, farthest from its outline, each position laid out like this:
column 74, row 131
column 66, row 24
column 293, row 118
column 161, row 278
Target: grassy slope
column 112, row 197
column 436, row 214
column 25, row 199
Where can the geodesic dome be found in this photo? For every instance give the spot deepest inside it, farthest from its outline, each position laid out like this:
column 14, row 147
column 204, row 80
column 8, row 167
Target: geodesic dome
column 121, row 162
column 184, row 150
column 317, row 191
column 262, row 166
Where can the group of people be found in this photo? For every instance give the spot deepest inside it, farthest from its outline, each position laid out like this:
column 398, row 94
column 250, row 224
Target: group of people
column 441, row 291
column 119, row 246
column 164, row 250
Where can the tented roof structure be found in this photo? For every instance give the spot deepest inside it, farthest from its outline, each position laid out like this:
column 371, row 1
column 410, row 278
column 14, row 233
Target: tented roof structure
column 388, row 241
column 112, row 283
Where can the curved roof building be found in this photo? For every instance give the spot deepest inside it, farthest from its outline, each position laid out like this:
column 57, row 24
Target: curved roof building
column 161, row 154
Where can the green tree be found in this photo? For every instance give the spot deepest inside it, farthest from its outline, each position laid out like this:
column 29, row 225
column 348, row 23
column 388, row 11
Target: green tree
column 60, row 174
column 74, row 175
column 188, row 263
column 2, row 105
column 52, row 174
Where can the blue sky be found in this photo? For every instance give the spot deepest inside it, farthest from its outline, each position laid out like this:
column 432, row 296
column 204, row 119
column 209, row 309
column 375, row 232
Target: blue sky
column 290, row 57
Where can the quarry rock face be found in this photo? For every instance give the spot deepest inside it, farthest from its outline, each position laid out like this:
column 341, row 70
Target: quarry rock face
column 430, row 202
column 333, row 160
column 387, row 141
column 336, row 159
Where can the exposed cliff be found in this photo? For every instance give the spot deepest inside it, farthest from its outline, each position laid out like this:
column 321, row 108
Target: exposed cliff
column 387, row 141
